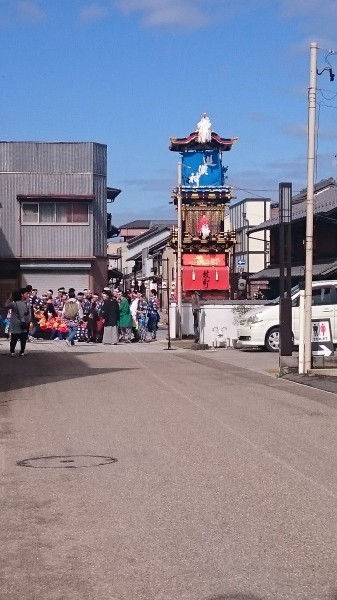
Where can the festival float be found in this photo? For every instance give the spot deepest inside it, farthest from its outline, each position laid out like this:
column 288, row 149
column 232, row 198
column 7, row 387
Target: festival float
column 203, row 198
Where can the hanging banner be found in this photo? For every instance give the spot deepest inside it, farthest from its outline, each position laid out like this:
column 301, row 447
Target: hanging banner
column 202, row 169
column 205, row 272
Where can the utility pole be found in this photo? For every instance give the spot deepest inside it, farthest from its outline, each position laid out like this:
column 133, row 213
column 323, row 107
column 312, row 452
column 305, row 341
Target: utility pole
column 179, row 282
column 311, row 160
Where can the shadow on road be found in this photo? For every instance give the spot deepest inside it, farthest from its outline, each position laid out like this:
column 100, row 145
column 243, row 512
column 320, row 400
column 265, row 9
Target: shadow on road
column 39, row 368
column 236, row 597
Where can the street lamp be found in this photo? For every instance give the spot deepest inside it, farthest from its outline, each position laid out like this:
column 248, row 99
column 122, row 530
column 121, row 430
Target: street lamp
column 285, row 218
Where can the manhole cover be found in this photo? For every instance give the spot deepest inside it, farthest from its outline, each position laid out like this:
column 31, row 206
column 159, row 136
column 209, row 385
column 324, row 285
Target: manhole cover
column 73, row 461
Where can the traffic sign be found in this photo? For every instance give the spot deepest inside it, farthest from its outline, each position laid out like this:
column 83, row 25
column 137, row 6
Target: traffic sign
column 241, row 262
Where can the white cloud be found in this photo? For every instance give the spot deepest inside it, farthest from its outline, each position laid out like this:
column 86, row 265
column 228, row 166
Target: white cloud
column 157, row 13
column 316, row 18
column 29, row 10
column 190, row 14
column 315, row 8
column 299, row 130
column 93, row 12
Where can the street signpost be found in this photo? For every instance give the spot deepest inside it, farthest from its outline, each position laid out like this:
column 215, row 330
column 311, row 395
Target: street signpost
column 240, row 263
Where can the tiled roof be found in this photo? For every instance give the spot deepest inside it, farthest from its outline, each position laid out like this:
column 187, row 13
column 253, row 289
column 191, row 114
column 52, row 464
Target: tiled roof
column 298, row 271
column 147, row 234
column 325, row 201
column 321, row 185
column 152, row 248
column 191, row 142
column 147, row 223
column 138, row 224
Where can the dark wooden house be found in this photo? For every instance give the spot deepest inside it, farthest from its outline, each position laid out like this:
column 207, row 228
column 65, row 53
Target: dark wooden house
column 325, row 239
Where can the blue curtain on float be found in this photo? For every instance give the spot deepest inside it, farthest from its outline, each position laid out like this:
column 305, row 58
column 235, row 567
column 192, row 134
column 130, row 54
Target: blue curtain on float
column 202, row 169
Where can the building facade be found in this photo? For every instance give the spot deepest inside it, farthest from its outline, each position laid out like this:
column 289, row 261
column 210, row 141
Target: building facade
column 324, row 238
column 251, row 252
column 53, row 215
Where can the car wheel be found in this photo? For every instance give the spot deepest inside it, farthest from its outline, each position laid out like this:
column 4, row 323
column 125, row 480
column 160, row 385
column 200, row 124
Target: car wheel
column 273, row 340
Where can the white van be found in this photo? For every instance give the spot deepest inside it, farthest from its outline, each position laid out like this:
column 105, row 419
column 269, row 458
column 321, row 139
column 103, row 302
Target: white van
column 260, row 327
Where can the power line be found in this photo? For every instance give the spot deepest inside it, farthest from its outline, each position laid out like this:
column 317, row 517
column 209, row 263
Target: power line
column 252, row 192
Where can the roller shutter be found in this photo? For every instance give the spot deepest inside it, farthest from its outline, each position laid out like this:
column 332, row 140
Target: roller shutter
column 52, row 280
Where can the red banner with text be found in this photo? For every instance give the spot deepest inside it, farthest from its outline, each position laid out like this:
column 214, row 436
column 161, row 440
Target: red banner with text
column 205, row 272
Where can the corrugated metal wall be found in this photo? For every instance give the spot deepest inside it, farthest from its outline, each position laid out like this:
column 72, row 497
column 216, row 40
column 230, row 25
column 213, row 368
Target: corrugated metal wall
column 52, row 168
column 99, row 217
column 51, row 157
column 44, row 241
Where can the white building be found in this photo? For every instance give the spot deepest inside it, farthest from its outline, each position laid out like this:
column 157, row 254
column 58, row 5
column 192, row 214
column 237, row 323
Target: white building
column 251, row 253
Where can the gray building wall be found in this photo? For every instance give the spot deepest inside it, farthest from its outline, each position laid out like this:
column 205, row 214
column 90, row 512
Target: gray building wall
column 60, row 168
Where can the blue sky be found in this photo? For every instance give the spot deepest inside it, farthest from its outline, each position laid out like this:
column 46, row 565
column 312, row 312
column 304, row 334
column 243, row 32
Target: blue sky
column 133, row 73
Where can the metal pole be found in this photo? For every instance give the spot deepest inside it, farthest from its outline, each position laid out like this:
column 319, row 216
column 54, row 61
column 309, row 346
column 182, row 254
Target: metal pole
column 310, row 206
column 301, row 329
column 179, row 273
column 248, row 265
column 168, row 304
column 288, row 259
column 281, row 257
column 168, row 318
column 169, row 347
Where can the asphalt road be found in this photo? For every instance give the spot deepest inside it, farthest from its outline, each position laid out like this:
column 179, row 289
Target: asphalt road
column 224, row 487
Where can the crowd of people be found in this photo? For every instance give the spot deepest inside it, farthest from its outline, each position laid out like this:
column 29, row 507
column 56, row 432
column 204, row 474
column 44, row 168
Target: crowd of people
column 110, row 317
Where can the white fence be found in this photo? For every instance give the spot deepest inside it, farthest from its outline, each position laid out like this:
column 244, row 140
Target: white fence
column 218, row 321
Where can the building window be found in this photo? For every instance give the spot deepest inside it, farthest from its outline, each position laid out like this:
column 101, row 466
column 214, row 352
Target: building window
column 55, row 213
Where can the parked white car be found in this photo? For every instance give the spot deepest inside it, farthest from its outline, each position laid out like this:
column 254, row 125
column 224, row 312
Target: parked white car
column 260, row 327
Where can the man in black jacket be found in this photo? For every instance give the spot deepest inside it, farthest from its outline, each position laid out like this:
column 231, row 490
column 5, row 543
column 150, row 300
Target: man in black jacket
column 110, row 314
column 196, row 310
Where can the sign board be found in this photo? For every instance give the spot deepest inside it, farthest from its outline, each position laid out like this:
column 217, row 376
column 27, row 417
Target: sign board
column 321, row 337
